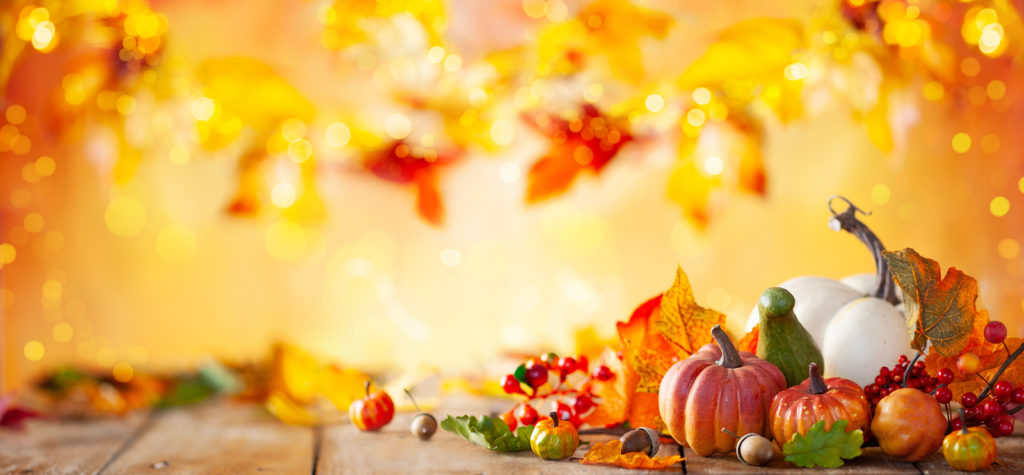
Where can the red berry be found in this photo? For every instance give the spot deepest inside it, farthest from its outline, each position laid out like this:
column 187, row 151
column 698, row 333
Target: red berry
column 884, row 371
column 897, row 378
column 1002, row 390
column 603, row 373
column 904, row 359
column 511, row 385
column 582, row 363
column 510, row 419
column 884, row 391
column 582, row 403
column 526, row 414
column 955, row 424
column 944, row 375
column 992, row 422
column 943, row 395
column 871, row 390
column 1017, row 396
column 969, row 400
column 919, row 365
column 1005, row 427
column 995, row 332
column 991, row 408
column 566, row 365
column 564, row 411
column 537, row 375
column 881, row 380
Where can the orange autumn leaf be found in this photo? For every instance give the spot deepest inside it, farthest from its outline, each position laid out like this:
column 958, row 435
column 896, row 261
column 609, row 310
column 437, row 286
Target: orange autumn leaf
column 749, row 341
column 413, row 166
column 683, row 322
column 610, row 453
column 586, row 142
column 939, row 309
column 991, row 357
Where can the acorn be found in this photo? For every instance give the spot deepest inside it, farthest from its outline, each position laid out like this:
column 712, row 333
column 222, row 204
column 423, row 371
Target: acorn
column 753, row 448
column 644, row 440
column 424, row 425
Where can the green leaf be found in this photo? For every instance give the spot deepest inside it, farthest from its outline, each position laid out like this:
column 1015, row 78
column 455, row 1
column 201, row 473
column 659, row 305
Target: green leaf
column 520, row 374
column 489, row 432
column 824, row 448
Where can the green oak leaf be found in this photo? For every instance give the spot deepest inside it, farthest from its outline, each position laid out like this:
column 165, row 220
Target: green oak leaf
column 824, row 448
column 489, row 432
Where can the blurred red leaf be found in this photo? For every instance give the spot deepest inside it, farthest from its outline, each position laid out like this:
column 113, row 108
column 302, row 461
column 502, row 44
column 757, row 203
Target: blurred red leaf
column 399, row 163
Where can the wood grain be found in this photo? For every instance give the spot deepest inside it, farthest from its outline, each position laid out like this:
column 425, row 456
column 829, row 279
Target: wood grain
column 51, row 446
column 218, row 438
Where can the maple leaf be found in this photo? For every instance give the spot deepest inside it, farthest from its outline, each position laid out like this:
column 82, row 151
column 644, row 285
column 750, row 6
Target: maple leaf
column 939, row 309
column 586, row 142
column 610, row 453
column 684, row 323
column 824, row 448
column 399, row 163
column 753, row 48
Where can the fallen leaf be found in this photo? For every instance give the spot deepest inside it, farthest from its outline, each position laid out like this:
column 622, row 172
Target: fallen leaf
column 610, row 453
column 939, row 309
column 824, row 448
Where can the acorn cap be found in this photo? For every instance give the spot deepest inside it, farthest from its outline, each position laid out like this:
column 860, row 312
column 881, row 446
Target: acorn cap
column 642, row 439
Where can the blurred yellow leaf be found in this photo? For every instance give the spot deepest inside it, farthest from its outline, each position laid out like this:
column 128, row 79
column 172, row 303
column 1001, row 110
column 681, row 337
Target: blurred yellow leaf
column 610, row 453
column 290, row 412
column 753, row 48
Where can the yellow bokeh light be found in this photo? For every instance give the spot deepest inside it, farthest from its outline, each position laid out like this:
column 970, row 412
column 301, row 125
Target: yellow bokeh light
column 654, row 103
column 961, row 142
column 503, row 132
column 999, row 206
column 34, row 350
column 293, row 129
column 701, row 95
column 713, row 165
column 991, row 41
column 933, row 90
column 34, row 222
column 452, row 63
column 283, row 195
column 695, row 117
column 122, row 372
column 203, row 108
column 300, row 150
column 52, row 290
column 796, row 71
column 398, row 126
column 1008, row 248
column 880, row 194
column 62, row 332
column 593, row 92
column 451, row 257
column 15, row 114
column 125, row 216
column 7, row 253
column 176, row 243
column 44, row 37
column 106, row 357
column 996, row 89
column 45, row 166
column 535, row 8
column 435, row 54
column 338, row 135
column 179, row 154
column 125, row 105
column 990, row 143
column 970, row 67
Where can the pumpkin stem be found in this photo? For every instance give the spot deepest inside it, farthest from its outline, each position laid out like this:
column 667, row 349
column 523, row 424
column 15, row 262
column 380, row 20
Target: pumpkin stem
column 730, row 357
column 884, row 287
column 818, row 385
column 963, row 422
column 367, row 387
column 554, row 417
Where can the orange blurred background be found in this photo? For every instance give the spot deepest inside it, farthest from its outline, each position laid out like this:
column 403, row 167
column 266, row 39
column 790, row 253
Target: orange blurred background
column 118, row 252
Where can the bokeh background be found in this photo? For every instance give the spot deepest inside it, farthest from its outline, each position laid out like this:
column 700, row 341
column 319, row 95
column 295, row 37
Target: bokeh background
column 398, row 183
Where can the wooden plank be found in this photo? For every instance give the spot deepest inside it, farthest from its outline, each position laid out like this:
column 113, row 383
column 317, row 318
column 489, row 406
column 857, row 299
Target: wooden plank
column 219, row 437
column 53, row 446
column 395, row 450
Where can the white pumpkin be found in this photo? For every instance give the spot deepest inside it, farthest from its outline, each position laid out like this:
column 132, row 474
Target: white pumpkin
column 857, row 332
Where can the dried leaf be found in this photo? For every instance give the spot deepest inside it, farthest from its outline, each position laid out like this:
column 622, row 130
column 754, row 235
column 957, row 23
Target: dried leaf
column 940, row 309
column 749, row 341
column 991, row 357
column 683, row 322
column 610, row 453
column 824, row 448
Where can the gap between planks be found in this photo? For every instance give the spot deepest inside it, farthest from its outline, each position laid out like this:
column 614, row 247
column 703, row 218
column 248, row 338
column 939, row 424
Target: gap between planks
column 318, row 442
column 147, row 423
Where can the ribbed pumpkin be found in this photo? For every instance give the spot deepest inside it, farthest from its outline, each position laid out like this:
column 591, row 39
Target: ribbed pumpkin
column 718, row 387
column 796, row 409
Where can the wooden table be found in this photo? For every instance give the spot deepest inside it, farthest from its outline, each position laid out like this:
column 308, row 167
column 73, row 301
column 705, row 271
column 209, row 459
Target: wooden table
column 224, row 437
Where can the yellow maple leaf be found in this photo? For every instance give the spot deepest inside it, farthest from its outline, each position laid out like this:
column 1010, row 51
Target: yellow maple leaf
column 610, row 453
column 756, row 48
column 684, row 323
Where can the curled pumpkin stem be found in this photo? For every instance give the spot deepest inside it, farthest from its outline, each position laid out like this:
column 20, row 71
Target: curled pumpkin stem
column 730, row 356
column 884, row 287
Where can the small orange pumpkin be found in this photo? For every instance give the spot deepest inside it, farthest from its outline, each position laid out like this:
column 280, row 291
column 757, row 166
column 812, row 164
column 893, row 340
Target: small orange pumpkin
column 796, row 409
column 969, row 449
column 553, row 441
column 718, row 387
column 909, row 424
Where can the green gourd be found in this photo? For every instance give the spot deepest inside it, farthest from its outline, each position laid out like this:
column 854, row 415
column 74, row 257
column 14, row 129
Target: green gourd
column 783, row 341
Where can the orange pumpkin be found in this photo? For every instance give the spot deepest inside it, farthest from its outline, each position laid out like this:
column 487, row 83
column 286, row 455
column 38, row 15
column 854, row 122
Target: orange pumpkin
column 796, row 409
column 718, row 387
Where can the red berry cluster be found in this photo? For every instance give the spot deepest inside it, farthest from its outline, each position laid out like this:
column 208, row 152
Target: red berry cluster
column 571, row 401
column 889, row 380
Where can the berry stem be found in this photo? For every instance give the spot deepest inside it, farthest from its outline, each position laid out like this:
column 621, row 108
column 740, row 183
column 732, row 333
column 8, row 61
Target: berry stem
column 1007, row 348
column 982, row 378
column 906, row 372
column 1006, row 364
column 417, row 406
column 1016, row 409
column 936, row 389
column 884, row 287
